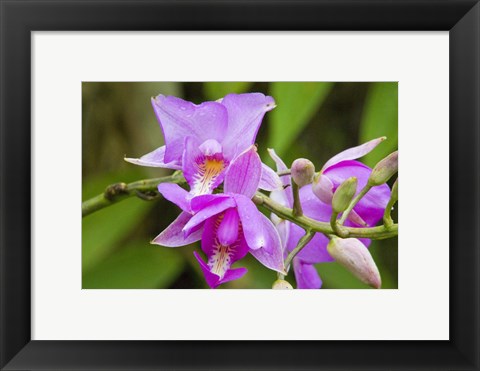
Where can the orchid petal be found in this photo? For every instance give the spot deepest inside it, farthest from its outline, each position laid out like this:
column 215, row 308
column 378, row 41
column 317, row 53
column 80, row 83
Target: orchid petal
column 200, row 202
column 280, row 166
column 282, row 197
column 233, row 274
column 269, row 181
column 372, row 206
column 211, row 278
column 155, row 158
column 213, row 208
column 179, row 119
column 245, row 114
column 283, row 229
column 252, row 224
column 227, row 232
column 354, row 152
column 271, row 256
column 203, row 170
column 211, row 243
column 244, row 173
column 173, row 235
column 176, row 194
column 221, row 256
column 306, row 275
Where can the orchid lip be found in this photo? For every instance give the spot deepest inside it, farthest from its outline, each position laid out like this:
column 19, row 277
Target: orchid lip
column 209, row 168
column 221, row 259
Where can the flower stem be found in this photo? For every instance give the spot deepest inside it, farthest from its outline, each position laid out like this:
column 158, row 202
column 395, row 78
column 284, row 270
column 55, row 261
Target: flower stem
column 284, row 172
column 338, row 229
column 387, row 218
column 145, row 189
column 297, row 204
column 377, row 233
column 300, row 245
column 350, row 207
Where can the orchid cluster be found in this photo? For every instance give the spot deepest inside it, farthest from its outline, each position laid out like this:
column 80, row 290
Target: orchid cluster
column 213, row 145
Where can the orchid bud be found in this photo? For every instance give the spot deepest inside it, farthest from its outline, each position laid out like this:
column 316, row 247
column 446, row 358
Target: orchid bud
column 344, row 195
column 302, row 171
column 282, row 285
column 384, row 170
column 355, row 257
column 322, row 187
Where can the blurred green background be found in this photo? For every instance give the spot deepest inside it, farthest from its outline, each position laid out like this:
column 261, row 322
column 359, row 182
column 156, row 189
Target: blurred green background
column 314, row 120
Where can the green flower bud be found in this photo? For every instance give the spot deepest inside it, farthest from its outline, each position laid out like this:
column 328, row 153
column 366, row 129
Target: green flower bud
column 302, row 171
column 282, row 285
column 344, row 195
column 355, row 257
column 384, row 170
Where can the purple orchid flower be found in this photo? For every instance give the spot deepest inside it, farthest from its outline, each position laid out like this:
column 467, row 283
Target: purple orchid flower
column 228, row 224
column 203, row 140
column 338, row 168
column 368, row 211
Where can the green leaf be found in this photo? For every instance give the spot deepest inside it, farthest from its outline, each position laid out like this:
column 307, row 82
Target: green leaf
column 297, row 102
column 104, row 229
column 380, row 118
column 217, row 90
column 138, row 265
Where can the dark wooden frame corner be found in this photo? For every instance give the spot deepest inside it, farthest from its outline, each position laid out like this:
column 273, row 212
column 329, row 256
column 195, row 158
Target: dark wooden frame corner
column 18, row 18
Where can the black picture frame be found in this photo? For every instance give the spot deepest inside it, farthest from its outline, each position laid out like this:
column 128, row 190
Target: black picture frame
column 18, row 18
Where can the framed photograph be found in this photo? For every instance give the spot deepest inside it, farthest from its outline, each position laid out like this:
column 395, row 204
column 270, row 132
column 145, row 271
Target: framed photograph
column 237, row 169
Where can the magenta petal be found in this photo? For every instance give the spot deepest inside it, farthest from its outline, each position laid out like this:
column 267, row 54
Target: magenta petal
column 354, row 152
column 271, row 256
column 245, row 114
column 211, row 245
column 198, row 203
column 179, row 119
column 214, row 207
column 227, row 232
column 233, row 274
column 306, row 275
column 269, row 181
column 176, row 194
column 244, row 173
column 211, row 278
column 252, row 223
column 209, row 236
column 221, row 257
column 155, row 159
column 173, row 235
